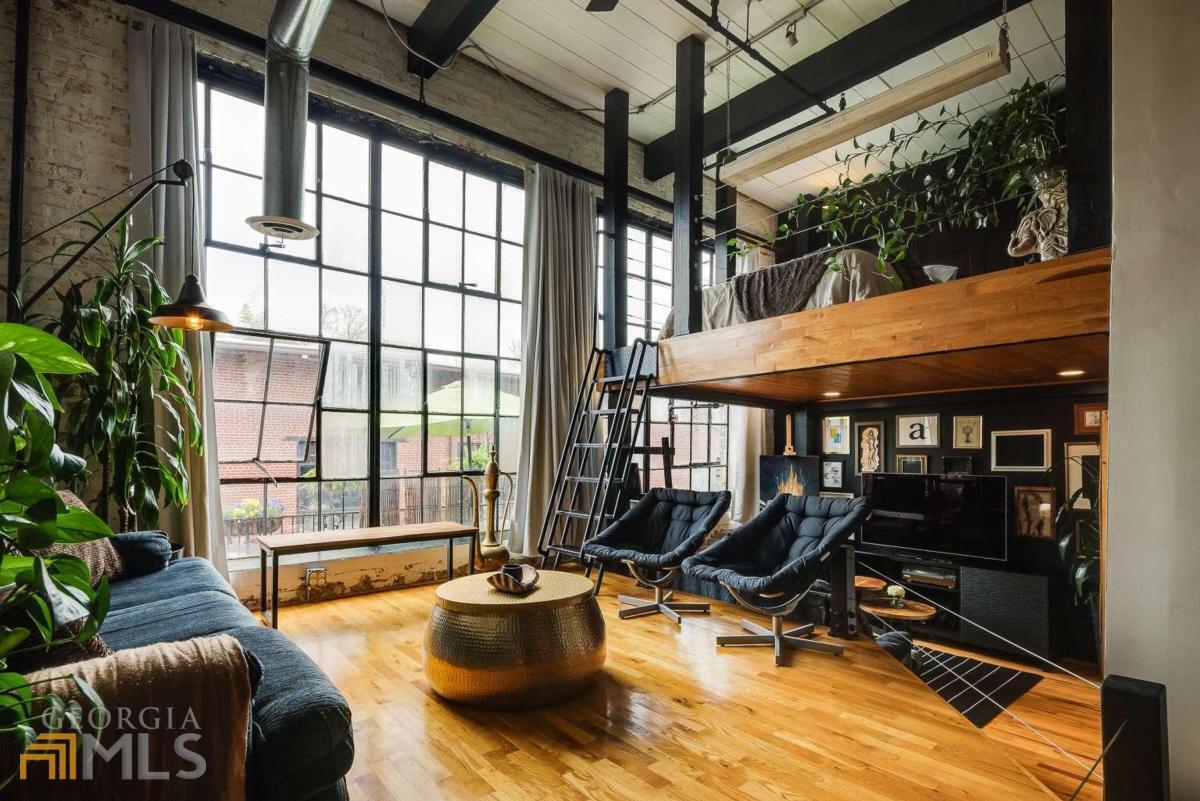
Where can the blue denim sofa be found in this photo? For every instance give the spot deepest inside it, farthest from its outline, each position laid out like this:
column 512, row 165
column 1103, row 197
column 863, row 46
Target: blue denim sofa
column 301, row 742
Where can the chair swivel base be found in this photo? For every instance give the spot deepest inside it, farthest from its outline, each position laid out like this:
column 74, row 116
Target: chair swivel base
column 791, row 639
column 661, row 605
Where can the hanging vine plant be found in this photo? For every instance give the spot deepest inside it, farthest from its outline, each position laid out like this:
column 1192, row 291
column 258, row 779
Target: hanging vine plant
column 983, row 163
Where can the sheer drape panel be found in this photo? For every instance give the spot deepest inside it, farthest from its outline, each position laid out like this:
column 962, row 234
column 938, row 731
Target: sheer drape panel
column 163, row 122
column 558, row 323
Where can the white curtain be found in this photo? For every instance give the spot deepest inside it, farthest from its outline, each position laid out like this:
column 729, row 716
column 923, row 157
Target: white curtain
column 749, row 428
column 558, row 326
column 163, row 122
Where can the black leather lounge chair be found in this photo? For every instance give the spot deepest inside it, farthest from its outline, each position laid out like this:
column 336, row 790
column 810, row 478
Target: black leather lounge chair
column 653, row 538
column 776, row 558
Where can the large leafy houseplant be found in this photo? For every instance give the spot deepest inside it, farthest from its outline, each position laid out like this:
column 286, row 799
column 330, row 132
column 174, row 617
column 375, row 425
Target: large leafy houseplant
column 996, row 158
column 39, row 594
column 135, row 414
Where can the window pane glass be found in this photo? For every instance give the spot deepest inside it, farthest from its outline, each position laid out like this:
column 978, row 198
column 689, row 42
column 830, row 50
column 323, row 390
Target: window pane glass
column 443, row 451
column 401, row 314
column 400, row 498
column 400, row 380
column 345, row 164
column 347, row 378
column 344, row 235
column 403, row 181
column 399, row 445
column 479, row 335
column 286, row 429
column 445, row 255
column 295, row 372
column 481, row 205
column 479, row 262
column 508, row 449
column 234, row 198
column 343, row 445
column 660, row 258
column 512, row 219
column 636, row 303
column 512, row 270
column 238, row 424
column 479, row 386
column 235, row 285
column 478, row 440
column 510, row 330
column 510, row 387
column 344, row 306
column 444, row 374
column 443, row 320
column 310, row 156
column 343, row 504
column 401, row 247
column 236, row 139
column 660, row 303
column 445, row 194
column 239, row 368
column 293, row 295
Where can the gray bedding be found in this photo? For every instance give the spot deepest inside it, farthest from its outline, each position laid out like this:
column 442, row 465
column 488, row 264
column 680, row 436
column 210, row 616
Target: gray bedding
column 798, row 285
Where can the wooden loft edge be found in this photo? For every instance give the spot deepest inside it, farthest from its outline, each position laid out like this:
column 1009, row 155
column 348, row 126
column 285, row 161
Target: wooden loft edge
column 1052, row 300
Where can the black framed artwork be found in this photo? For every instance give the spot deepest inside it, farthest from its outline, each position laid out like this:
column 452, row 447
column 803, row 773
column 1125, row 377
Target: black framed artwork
column 958, row 465
column 1026, row 451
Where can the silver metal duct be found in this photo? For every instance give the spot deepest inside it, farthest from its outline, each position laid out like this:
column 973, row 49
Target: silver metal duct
column 290, row 39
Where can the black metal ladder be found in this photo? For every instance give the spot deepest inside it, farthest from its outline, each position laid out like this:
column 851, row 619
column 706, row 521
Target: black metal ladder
column 593, row 472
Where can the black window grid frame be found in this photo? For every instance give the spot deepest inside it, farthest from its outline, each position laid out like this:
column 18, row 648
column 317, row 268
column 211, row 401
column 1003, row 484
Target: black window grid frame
column 222, row 76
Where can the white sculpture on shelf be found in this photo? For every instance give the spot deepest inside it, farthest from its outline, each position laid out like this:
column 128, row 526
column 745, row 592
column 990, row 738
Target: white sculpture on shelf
column 1044, row 230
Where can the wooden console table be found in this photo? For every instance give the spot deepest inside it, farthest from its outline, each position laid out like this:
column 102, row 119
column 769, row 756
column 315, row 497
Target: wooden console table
column 276, row 545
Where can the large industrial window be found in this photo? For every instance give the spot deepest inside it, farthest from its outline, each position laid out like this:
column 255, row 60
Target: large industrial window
column 419, row 264
column 699, row 432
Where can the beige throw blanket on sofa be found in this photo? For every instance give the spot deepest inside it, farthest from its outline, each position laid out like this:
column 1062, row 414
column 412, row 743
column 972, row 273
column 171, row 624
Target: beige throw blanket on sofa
column 180, row 717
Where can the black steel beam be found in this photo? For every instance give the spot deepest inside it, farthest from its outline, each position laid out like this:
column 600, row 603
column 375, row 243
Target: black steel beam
column 320, row 70
column 689, row 189
column 16, row 180
column 616, row 216
column 441, row 29
column 1089, row 124
column 724, row 256
column 906, row 31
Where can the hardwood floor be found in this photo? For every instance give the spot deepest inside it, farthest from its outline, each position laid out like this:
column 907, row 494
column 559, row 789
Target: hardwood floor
column 1062, row 708
column 671, row 718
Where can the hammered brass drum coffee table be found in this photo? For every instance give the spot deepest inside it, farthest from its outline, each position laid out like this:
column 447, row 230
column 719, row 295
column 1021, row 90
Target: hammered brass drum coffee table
column 488, row 648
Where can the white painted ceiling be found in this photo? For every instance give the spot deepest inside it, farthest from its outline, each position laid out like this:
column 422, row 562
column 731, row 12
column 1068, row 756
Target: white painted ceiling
column 558, row 48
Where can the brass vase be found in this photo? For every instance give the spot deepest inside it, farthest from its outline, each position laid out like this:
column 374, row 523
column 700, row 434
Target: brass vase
column 491, row 553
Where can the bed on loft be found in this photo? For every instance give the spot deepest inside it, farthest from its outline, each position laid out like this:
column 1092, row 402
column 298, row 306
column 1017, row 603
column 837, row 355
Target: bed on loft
column 1020, row 326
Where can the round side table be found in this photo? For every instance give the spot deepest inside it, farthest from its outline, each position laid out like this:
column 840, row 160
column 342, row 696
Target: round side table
column 488, row 648
column 911, row 612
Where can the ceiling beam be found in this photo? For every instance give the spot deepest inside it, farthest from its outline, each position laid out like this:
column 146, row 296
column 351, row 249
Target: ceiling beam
column 902, row 33
column 442, row 29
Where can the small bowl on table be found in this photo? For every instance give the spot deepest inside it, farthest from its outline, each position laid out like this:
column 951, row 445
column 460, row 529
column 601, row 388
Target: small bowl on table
column 514, row 579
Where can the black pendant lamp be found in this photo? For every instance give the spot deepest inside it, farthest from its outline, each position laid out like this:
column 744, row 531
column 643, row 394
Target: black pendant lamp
column 191, row 311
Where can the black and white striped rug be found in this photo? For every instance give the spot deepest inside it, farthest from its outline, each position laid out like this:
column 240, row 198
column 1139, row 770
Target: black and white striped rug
column 967, row 684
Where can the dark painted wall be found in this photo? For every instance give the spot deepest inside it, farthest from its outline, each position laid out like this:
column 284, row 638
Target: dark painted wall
column 1010, row 409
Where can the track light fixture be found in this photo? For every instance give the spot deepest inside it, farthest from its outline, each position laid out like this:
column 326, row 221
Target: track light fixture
column 790, row 34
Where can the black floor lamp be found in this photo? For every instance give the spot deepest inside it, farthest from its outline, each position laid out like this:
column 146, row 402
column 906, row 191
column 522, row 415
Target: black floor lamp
column 191, row 310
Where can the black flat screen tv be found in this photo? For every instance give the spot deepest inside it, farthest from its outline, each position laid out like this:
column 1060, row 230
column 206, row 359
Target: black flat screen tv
column 953, row 517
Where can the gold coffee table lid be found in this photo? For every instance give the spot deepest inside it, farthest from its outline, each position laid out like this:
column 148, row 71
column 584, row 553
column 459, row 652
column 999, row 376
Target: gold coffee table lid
column 473, row 594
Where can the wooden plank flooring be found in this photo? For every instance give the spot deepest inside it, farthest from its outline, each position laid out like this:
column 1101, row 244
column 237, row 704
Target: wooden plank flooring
column 672, row 718
column 1060, row 707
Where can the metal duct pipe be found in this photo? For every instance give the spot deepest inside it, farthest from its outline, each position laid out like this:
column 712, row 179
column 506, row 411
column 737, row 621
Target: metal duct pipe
column 290, row 39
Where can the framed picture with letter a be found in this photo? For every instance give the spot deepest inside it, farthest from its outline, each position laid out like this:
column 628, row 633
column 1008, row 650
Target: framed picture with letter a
column 917, row 431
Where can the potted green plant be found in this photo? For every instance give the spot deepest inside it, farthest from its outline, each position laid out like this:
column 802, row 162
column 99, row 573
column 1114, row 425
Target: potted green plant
column 134, row 415
column 1078, row 532
column 1013, row 154
column 39, row 594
